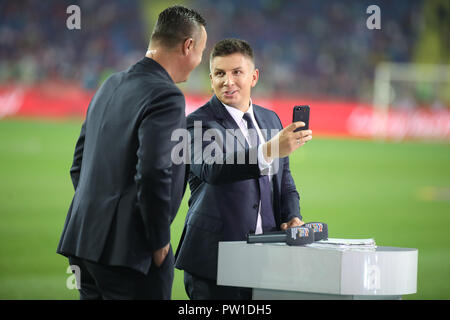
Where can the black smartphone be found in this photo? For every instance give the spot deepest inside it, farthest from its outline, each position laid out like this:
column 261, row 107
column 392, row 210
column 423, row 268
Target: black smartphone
column 301, row 113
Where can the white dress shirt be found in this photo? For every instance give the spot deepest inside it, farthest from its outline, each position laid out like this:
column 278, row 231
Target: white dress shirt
column 264, row 166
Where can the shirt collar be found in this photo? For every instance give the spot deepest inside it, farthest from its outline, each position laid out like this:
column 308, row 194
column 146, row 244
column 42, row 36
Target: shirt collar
column 238, row 114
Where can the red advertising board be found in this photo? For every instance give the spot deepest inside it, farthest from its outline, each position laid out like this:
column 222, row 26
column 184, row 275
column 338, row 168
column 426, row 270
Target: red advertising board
column 328, row 117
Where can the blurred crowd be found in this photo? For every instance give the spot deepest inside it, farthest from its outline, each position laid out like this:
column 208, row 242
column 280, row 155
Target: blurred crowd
column 314, row 48
column 36, row 45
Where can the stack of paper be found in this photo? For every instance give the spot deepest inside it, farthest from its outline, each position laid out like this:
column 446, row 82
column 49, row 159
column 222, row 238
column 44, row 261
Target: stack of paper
column 345, row 244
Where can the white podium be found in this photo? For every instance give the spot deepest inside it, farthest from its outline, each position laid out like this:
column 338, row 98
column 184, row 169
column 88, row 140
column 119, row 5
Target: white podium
column 278, row 271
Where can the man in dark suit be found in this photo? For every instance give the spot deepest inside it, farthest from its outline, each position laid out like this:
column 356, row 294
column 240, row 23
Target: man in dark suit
column 127, row 189
column 231, row 195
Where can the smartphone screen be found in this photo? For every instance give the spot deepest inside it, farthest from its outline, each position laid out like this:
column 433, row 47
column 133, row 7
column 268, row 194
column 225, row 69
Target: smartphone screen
column 301, row 113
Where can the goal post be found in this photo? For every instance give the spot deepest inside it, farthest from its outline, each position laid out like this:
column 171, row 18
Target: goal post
column 400, row 87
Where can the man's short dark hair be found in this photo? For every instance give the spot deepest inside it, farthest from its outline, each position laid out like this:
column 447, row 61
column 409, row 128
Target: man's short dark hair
column 175, row 24
column 229, row 46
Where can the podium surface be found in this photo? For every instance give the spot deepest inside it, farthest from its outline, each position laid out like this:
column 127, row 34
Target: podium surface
column 279, row 271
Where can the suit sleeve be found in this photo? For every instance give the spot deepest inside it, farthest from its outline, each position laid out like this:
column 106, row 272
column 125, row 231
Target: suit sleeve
column 78, row 157
column 290, row 199
column 221, row 165
column 161, row 117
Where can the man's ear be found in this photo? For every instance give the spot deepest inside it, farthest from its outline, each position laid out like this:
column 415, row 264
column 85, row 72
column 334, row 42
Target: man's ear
column 188, row 45
column 255, row 77
column 211, row 80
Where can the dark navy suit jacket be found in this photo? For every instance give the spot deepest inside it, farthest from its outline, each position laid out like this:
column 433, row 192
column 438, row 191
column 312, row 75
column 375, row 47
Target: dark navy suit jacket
column 127, row 189
column 224, row 197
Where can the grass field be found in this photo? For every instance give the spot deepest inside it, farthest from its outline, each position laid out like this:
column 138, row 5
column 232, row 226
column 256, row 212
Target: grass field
column 397, row 193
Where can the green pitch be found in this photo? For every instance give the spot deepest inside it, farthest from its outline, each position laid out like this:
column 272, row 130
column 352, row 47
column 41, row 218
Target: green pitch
column 397, row 193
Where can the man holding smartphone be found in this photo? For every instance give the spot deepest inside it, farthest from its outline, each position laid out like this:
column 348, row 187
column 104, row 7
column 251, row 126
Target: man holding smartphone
column 228, row 201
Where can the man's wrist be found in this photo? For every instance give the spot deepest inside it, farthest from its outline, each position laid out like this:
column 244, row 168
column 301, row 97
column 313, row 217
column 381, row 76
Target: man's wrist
column 267, row 152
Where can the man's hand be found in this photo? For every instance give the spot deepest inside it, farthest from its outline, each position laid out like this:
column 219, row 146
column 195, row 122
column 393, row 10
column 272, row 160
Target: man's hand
column 160, row 255
column 287, row 141
column 295, row 222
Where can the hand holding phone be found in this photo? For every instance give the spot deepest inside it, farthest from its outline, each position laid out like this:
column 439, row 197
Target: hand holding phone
column 289, row 139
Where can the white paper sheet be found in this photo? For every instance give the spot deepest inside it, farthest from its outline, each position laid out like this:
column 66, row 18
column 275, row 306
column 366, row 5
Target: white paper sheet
column 345, row 244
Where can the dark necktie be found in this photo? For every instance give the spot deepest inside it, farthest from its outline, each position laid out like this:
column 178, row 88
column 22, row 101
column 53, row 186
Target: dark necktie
column 267, row 214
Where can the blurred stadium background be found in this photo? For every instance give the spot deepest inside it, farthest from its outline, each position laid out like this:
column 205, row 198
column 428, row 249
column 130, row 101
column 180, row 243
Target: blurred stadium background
column 379, row 164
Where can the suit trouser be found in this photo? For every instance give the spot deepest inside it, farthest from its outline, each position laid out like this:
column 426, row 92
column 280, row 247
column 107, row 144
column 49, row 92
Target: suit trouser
column 99, row 281
column 198, row 288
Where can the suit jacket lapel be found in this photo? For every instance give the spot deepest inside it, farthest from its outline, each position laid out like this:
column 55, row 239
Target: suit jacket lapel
column 223, row 117
column 262, row 123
